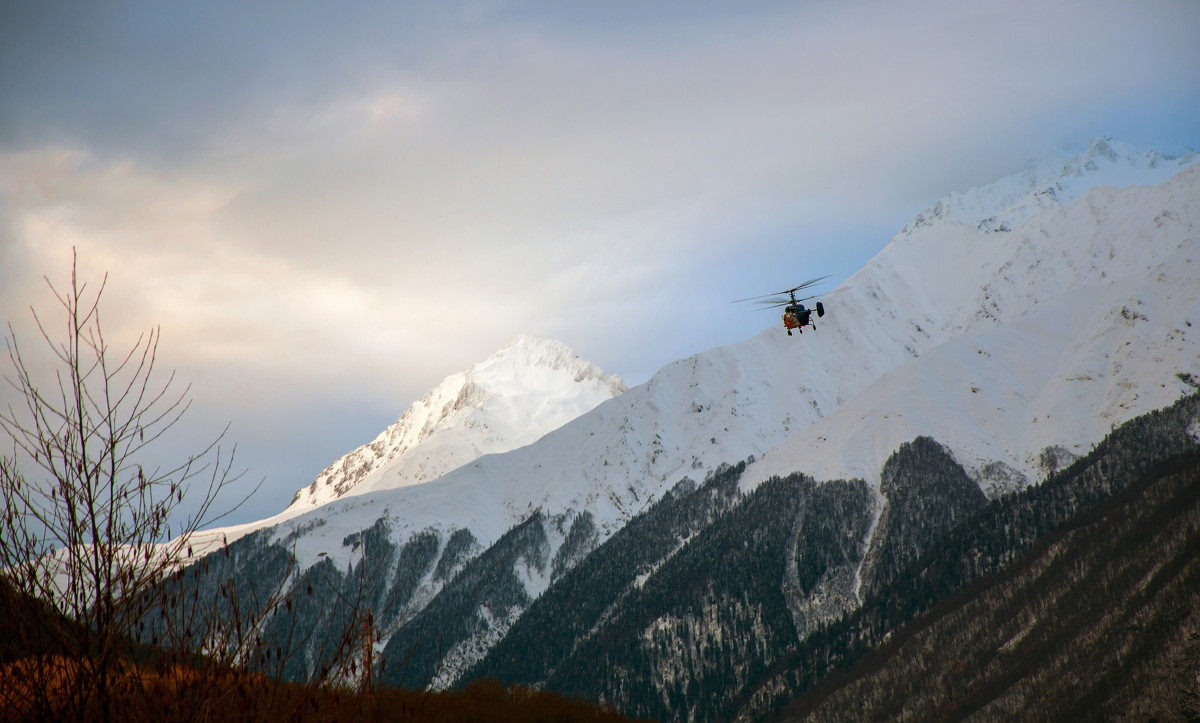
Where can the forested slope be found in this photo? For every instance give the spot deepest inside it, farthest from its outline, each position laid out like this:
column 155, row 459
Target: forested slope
column 1072, row 600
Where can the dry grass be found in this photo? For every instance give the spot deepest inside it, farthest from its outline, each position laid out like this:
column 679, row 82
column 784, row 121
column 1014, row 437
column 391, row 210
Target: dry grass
column 51, row 688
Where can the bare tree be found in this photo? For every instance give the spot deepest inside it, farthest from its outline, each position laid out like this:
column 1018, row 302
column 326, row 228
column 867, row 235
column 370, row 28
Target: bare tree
column 87, row 529
column 104, row 610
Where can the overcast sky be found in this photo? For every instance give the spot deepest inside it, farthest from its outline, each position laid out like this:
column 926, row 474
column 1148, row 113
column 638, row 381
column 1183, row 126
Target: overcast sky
column 329, row 207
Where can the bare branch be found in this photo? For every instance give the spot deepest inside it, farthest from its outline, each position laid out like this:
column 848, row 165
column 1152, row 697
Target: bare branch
column 81, row 522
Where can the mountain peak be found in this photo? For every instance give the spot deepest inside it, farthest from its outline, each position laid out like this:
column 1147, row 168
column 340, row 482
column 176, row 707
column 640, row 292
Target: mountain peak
column 1102, row 146
column 529, row 387
column 532, row 351
column 525, row 357
column 525, row 341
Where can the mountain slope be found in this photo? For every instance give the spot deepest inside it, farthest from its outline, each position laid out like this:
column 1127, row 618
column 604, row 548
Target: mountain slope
column 743, row 612
column 1060, row 603
column 1019, row 400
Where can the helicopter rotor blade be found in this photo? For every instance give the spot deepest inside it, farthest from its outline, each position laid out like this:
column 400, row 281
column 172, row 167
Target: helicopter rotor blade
column 808, row 283
column 786, row 292
column 764, row 296
column 786, row 299
column 780, row 303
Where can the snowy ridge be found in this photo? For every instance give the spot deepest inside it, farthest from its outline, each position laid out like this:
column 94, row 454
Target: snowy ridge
column 1051, row 180
column 526, row 389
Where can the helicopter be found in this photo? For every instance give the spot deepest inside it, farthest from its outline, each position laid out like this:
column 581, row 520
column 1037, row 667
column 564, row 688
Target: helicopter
column 795, row 314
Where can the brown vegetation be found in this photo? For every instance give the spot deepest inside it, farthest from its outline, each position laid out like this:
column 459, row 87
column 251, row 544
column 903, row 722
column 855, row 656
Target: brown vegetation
column 46, row 689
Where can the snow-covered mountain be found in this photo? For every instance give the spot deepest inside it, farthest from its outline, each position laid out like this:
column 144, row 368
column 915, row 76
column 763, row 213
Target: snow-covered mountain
column 1015, row 324
column 510, row 399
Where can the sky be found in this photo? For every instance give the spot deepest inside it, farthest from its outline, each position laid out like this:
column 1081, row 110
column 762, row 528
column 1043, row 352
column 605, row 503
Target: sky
column 328, row 208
